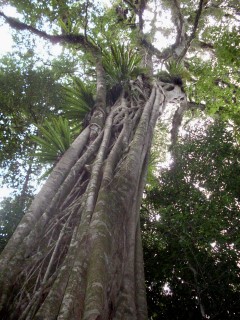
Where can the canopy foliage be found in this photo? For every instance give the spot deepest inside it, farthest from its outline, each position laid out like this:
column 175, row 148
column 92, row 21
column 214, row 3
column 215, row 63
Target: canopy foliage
column 191, row 229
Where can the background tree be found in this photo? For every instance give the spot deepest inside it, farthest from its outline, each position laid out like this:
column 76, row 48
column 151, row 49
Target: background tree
column 77, row 252
column 29, row 93
column 190, row 229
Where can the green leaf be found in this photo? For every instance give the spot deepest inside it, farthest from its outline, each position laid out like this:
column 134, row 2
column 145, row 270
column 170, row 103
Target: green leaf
column 121, row 63
column 54, row 139
column 79, row 100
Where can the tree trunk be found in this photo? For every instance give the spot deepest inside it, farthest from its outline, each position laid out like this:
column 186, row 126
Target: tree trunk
column 77, row 253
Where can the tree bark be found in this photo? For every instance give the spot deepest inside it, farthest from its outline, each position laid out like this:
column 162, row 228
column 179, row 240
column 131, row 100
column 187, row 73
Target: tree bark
column 77, row 253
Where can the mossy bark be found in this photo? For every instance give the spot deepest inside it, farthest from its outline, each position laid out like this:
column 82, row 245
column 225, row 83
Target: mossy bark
column 78, row 254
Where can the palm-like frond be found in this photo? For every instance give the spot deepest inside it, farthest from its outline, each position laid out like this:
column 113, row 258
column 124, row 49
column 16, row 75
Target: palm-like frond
column 54, row 139
column 177, row 69
column 65, row 26
column 121, row 63
column 79, row 100
column 175, row 73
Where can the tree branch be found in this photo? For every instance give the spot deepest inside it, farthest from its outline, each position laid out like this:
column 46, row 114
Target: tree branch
column 181, row 35
column 205, row 45
column 198, row 290
column 194, row 30
column 178, row 116
column 138, row 7
column 193, row 105
column 165, row 54
column 86, row 19
column 182, row 42
column 160, row 55
column 75, row 39
column 196, row 22
column 176, row 123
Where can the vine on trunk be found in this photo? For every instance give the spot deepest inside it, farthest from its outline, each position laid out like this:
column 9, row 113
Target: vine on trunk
column 53, row 275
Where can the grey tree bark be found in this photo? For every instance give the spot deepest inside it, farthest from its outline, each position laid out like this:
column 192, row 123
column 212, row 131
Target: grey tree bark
column 77, row 253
